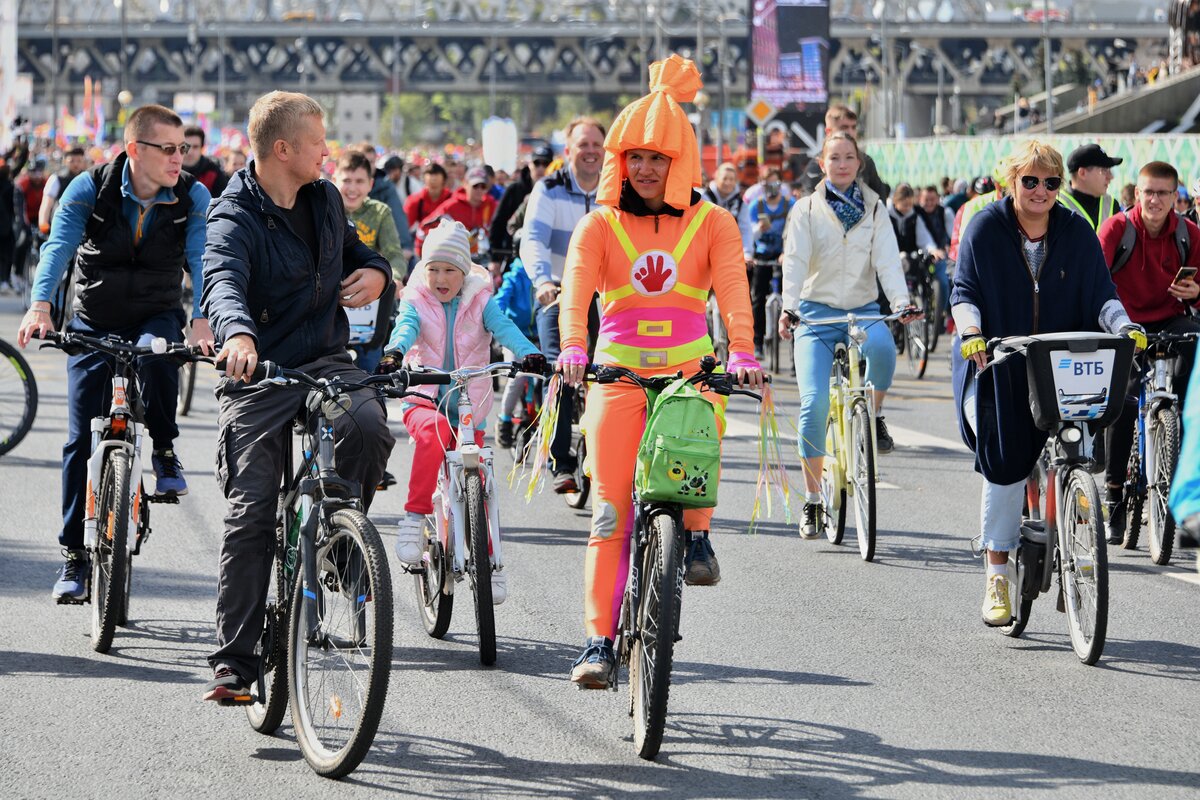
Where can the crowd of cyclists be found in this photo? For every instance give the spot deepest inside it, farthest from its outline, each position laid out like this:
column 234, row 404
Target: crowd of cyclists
column 605, row 253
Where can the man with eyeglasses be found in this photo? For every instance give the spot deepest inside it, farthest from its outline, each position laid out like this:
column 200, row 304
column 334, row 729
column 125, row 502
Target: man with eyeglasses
column 1144, row 267
column 1091, row 173
column 514, row 197
column 134, row 226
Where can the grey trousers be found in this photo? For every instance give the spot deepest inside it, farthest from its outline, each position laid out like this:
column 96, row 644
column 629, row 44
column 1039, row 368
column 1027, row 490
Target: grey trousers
column 254, row 423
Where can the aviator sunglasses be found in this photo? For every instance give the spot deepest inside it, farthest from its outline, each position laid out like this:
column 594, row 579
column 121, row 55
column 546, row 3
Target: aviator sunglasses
column 1052, row 183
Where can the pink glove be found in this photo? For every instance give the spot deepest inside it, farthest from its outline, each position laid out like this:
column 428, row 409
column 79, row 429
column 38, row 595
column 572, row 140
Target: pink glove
column 574, row 356
column 742, row 361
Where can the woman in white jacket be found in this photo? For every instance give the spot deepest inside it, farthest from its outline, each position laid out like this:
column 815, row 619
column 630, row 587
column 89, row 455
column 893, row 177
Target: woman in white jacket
column 839, row 240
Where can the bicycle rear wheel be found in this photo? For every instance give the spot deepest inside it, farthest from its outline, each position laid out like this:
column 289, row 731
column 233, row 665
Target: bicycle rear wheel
column 658, row 623
column 271, row 690
column 916, row 334
column 1083, row 566
column 480, row 568
column 111, row 554
column 579, row 498
column 341, row 646
column 436, row 601
column 934, row 320
column 1135, row 498
column 1164, row 438
column 862, row 477
column 18, row 397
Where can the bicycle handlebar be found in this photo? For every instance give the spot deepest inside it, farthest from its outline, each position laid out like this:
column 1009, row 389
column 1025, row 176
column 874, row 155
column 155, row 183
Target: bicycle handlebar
column 73, row 343
column 395, row 384
column 722, row 383
column 849, row 319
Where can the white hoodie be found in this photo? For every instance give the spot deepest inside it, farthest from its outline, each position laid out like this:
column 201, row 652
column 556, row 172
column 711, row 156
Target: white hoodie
column 826, row 264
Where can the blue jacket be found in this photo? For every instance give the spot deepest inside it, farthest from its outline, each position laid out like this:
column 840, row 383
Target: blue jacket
column 515, row 298
column 1073, row 292
column 259, row 276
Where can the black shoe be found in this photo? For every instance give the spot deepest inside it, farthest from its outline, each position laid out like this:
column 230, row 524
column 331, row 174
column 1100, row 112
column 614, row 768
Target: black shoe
column 811, row 527
column 387, row 480
column 504, row 433
column 701, row 561
column 1114, row 514
column 595, row 666
column 564, row 483
column 883, row 439
column 228, row 689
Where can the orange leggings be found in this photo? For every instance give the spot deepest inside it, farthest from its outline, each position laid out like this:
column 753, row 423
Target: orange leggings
column 613, row 422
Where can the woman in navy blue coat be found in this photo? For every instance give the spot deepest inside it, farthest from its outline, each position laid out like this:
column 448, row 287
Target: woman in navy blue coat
column 1026, row 265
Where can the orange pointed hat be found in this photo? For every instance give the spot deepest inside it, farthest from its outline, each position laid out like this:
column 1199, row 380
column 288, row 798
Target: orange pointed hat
column 657, row 122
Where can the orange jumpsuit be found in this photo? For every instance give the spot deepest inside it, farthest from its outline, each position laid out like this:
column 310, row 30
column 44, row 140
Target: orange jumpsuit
column 653, row 274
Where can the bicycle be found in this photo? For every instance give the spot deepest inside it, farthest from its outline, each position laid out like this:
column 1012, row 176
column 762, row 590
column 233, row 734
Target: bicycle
column 116, row 522
column 1155, row 452
column 1073, row 379
column 187, row 372
column 850, row 470
column 462, row 536
column 919, row 338
column 651, row 605
column 18, row 397
column 583, row 481
column 773, row 308
column 327, row 634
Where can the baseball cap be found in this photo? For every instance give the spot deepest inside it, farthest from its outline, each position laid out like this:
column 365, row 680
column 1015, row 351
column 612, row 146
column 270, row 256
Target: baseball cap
column 542, row 153
column 476, row 175
column 1090, row 155
column 1183, row 193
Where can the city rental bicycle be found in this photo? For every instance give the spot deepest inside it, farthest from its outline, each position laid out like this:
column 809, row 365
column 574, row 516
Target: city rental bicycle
column 327, row 636
column 849, row 471
column 1077, row 387
column 1155, row 449
column 650, row 608
column 18, row 397
column 116, row 520
column 461, row 539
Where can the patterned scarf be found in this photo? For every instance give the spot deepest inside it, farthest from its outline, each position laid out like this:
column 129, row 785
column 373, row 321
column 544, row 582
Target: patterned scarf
column 849, row 206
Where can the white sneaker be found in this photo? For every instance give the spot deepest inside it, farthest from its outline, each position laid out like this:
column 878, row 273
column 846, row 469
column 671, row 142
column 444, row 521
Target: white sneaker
column 499, row 587
column 408, row 539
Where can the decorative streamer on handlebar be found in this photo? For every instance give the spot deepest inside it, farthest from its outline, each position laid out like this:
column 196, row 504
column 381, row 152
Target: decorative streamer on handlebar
column 772, row 474
column 546, row 422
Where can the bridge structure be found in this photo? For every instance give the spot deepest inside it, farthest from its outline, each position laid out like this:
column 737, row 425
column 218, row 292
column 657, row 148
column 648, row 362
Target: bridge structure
column 157, row 47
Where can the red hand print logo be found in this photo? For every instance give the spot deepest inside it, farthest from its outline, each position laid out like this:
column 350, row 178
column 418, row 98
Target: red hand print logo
column 656, row 274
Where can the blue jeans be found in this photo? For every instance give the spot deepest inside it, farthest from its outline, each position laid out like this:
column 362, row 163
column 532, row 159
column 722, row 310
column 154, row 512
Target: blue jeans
column 89, row 377
column 943, row 281
column 814, row 360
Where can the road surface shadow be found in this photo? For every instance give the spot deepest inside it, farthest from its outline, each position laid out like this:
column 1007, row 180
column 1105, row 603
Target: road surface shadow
column 106, row 667
column 692, row 672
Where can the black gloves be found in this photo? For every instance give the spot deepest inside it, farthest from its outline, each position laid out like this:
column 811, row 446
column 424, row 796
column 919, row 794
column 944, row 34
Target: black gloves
column 534, row 363
column 391, row 362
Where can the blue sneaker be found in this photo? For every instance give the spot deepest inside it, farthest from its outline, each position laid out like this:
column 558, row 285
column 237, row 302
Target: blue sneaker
column 595, row 666
column 71, row 586
column 168, row 474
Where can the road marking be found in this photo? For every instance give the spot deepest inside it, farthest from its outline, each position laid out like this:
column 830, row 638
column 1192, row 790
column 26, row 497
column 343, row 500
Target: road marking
column 740, row 429
column 1186, row 577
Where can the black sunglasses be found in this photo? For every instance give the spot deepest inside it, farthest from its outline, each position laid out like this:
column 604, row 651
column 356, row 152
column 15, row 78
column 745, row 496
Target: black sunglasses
column 168, row 149
column 541, row 163
column 1052, row 184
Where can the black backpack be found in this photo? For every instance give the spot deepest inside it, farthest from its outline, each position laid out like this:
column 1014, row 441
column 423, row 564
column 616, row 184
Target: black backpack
column 1129, row 238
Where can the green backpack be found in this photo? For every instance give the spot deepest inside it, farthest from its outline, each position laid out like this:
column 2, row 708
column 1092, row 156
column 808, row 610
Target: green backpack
column 679, row 457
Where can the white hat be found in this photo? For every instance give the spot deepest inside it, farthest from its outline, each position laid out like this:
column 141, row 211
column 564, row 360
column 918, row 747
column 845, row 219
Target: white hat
column 450, row 243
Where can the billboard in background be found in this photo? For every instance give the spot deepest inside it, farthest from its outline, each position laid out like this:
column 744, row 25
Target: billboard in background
column 789, row 53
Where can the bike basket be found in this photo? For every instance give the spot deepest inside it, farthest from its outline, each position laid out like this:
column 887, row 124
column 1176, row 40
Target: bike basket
column 679, row 457
column 1078, row 378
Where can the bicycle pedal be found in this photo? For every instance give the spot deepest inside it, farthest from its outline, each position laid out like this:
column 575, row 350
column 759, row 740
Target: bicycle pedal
column 238, row 700
column 170, row 498
column 73, row 601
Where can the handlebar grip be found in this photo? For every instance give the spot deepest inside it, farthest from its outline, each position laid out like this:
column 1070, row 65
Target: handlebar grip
column 428, row 378
column 262, row 370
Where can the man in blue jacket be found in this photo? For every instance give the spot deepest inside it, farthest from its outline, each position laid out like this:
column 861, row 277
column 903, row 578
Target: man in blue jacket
column 280, row 262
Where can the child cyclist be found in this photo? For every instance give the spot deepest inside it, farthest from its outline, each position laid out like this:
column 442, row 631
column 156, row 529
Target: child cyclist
column 447, row 319
column 515, row 298
column 653, row 250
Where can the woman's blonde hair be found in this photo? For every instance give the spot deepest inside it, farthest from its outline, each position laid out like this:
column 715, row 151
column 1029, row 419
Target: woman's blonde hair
column 1032, row 155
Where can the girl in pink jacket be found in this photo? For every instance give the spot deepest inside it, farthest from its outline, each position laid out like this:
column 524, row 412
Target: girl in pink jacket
column 447, row 318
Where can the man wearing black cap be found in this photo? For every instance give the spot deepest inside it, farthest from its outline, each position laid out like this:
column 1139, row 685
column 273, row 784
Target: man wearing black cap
column 1091, row 173
column 500, row 237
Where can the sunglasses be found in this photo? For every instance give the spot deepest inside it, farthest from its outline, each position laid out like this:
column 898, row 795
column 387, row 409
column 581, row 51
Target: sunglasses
column 168, row 149
column 478, row 185
column 541, row 163
column 1052, row 184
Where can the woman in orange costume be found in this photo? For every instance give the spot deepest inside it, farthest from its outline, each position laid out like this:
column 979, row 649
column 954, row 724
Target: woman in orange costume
column 652, row 250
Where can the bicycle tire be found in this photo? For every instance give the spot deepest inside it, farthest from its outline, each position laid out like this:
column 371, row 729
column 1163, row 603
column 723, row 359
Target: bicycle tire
column 578, row 499
column 1165, row 439
column 187, row 388
column 436, row 604
column 16, row 423
column 833, row 489
column 123, row 615
column 935, row 320
column 109, row 558
column 1135, row 499
column 1026, row 592
column 916, row 335
column 265, row 716
column 352, row 567
column 1083, row 566
column 654, row 647
column 479, row 568
column 863, row 478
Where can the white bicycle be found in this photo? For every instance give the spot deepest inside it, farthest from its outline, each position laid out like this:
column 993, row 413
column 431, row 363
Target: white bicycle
column 461, row 539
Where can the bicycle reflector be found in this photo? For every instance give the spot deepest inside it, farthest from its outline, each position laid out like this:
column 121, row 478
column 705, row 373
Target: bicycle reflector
column 1071, row 434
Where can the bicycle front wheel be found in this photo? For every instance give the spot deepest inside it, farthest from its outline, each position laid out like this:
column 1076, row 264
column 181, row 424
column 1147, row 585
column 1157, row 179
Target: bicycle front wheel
column 658, row 622
column 833, row 487
column 480, row 568
column 341, row 646
column 583, row 483
column 862, row 477
column 1164, row 438
column 1135, row 498
column 18, row 397
column 1083, row 566
column 110, row 558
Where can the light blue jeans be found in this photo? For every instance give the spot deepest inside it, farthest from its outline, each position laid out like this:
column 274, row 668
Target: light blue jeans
column 1002, row 504
column 814, row 360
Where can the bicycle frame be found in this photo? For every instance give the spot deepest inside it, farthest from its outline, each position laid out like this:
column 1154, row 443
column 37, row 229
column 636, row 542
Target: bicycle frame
column 1155, row 390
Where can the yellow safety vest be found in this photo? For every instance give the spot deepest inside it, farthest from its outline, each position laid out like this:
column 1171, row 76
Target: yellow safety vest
column 1108, row 207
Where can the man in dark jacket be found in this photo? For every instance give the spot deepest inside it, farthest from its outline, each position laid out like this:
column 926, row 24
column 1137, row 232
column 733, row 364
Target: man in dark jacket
column 200, row 166
column 280, row 262
column 501, row 240
column 842, row 118
column 133, row 227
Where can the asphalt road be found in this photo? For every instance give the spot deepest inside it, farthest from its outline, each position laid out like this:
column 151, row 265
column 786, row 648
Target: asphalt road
column 805, row 673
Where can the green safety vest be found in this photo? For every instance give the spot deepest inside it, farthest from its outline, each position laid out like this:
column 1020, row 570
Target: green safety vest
column 1108, row 207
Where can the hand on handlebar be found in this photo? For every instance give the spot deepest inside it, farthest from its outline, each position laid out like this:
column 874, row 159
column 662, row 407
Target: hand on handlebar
column 974, row 348
column 572, row 363
column 911, row 313
column 1138, row 336
column 35, row 324
column 391, row 362
column 787, row 321
column 240, row 355
column 534, row 363
column 201, row 336
column 747, row 370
